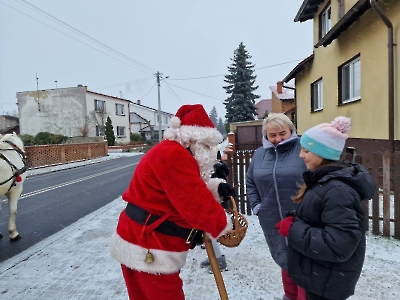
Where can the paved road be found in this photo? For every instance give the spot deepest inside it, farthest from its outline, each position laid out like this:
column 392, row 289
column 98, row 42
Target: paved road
column 53, row 201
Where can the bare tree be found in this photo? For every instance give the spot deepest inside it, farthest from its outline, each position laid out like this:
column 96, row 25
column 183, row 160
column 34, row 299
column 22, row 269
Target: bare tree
column 84, row 129
column 98, row 117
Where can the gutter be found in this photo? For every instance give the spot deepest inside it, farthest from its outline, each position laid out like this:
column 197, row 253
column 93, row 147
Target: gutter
column 391, row 45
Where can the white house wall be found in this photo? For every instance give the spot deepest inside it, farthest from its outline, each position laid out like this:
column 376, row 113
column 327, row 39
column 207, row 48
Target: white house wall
column 59, row 111
column 117, row 120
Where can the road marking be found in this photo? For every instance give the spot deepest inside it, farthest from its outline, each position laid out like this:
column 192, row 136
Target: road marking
column 71, row 182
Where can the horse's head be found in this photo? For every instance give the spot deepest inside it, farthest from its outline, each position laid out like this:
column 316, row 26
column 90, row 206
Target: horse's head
column 13, row 139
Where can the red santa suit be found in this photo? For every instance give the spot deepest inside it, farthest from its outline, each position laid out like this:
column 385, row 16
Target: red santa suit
column 167, row 183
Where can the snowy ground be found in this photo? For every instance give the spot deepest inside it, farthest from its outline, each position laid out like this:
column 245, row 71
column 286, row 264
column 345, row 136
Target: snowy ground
column 252, row 273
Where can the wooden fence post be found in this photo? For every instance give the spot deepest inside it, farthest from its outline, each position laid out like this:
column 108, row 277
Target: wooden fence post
column 396, row 189
column 386, row 193
column 376, row 162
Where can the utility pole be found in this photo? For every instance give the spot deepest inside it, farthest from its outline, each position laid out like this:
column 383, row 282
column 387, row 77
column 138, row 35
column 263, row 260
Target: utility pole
column 158, row 74
column 37, row 90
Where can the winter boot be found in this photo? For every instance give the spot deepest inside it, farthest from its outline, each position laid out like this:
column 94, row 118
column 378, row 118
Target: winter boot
column 221, row 264
column 205, row 263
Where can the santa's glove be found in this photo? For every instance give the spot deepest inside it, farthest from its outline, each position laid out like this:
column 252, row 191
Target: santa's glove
column 284, row 226
column 225, row 191
column 221, row 170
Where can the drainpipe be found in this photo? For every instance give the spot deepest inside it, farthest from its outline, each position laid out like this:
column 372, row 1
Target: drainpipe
column 391, row 45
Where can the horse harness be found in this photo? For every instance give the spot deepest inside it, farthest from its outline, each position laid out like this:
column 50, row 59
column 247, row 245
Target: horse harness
column 14, row 169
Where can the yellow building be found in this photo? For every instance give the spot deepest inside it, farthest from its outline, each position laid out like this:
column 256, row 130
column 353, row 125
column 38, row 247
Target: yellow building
column 348, row 72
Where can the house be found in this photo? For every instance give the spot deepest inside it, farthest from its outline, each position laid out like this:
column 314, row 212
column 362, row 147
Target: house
column 351, row 71
column 283, row 100
column 263, row 108
column 147, row 132
column 152, row 116
column 73, row 111
column 9, row 124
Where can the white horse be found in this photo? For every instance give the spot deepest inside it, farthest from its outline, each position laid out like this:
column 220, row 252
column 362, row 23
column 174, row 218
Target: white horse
column 12, row 176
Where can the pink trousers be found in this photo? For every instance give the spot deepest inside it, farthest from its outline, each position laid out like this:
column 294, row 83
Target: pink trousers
column 291, row 289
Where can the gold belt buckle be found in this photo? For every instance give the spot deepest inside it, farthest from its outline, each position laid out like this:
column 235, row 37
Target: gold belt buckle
column 191, row 235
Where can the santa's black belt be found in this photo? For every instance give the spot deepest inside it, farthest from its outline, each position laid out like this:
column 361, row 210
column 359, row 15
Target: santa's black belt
column 140, row 216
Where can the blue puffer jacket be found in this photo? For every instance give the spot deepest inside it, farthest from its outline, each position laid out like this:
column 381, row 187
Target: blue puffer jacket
column 271, row 180
column 327, row 238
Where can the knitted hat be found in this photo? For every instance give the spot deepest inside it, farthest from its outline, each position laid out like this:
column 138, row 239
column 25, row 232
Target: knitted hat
column 327, row 139
column 191, row 115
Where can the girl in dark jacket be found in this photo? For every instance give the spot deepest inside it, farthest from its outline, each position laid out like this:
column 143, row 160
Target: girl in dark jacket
column 271, row 180
column 326, row 237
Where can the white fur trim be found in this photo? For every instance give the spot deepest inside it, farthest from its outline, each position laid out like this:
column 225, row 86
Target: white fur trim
column 175, row 122
column 212, row 185
column 229, row 226
column 133, row 256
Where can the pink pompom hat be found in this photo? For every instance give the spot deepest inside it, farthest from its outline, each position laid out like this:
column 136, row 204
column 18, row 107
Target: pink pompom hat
column 327, row 140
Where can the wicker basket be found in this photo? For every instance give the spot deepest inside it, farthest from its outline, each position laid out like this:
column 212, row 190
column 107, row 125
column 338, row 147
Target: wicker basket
column 234, row 237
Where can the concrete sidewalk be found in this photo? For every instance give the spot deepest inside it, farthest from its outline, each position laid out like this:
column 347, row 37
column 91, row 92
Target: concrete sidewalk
column 75, row 264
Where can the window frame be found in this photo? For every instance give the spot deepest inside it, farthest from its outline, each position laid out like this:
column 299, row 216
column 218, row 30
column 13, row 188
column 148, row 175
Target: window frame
column 325, row 20
column 351, row 81
column 117, row 111
column 317, row 83
column 119, row 129
column 100, row 131
column 97, row 107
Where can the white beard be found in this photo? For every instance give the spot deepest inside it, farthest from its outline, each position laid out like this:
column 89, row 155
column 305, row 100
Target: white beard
column 205, row 158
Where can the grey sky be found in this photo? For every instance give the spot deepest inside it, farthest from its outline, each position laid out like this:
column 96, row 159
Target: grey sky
column 180, row 38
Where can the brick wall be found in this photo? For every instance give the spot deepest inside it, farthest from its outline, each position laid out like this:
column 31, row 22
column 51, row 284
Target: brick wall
column 46, row 155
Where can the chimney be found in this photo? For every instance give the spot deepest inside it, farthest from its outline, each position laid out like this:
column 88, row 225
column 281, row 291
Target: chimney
column 138, row 102
column 279, row 87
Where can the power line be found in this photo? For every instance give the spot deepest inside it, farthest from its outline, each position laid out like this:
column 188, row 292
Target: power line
column 74, row 38
column 172, row 92
column 270, row 66
column 195, row 92
column 62, row 23
column 149, row 91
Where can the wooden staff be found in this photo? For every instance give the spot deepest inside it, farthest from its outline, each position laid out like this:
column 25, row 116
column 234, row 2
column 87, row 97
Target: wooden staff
column 215, row 268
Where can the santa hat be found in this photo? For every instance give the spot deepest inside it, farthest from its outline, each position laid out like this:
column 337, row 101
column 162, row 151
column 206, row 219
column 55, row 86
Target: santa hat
column 191, row 115
column 191, row 122
column 327, row 140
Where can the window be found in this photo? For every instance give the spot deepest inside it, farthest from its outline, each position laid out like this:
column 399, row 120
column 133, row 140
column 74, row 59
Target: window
column 99, row 106
column 120, row 131
column 99, row 131
column 165, row 120
column 119, row 109
column 325, row 22
column 350, row 81
column 317, row 95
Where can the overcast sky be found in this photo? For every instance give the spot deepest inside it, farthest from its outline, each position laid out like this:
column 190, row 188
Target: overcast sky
column 180, row 38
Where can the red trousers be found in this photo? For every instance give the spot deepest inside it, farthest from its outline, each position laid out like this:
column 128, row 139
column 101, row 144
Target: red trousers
column 291, row 289
column 146, row 286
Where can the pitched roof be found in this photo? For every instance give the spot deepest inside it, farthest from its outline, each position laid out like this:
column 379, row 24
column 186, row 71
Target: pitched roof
column 300, row 66
column 263, row 106
column 136, row 118
column 287, row 94
column 307, row 10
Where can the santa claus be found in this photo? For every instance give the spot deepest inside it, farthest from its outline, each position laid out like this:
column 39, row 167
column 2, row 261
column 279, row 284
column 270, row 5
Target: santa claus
column 170, row 197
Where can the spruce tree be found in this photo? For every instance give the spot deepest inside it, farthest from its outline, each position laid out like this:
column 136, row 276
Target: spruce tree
column 221, row 127
column 109, row 132
column 240, row 103
column 214, row 116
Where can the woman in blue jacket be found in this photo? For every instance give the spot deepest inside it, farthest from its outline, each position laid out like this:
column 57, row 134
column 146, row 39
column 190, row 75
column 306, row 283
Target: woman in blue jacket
column 327, row 237
column 272, row 179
